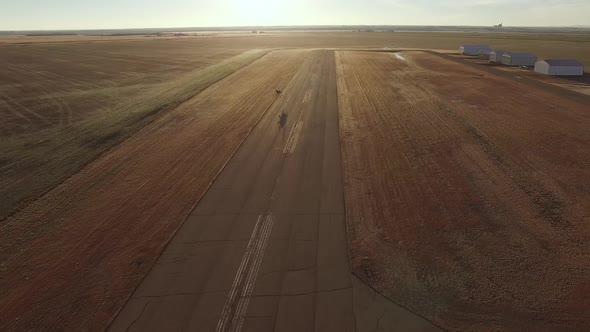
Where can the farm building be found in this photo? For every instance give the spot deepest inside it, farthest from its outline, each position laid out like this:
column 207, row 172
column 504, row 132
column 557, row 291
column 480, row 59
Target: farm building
column 496, row 56
column 519, row 59
column 484, row 55
column 560, row 67
column 473, row 49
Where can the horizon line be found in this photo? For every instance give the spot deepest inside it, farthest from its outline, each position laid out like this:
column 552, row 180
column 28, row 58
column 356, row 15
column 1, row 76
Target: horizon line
column 299, row 26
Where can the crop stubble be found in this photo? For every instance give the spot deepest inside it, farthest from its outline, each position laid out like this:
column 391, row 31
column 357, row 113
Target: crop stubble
column 466, row 193
column 71, row 259
column 59, row 85
column 60, row 115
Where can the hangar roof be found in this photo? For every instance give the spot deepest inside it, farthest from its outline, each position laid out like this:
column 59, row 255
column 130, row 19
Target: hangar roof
column 520, row 55
column 568, row 63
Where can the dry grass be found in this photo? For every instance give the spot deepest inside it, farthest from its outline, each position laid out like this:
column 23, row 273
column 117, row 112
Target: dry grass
column 55, row 86
column 466, row 192
column 32, row 163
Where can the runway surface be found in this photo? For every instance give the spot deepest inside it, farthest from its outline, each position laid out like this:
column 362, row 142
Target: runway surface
column 266, row 248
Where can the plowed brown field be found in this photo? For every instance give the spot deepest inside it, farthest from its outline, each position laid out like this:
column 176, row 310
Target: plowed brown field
column 466, row 193
column 72, row 258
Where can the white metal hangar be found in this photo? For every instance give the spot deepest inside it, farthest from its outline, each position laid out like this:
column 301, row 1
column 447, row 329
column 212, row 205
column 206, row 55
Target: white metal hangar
column 519, row 59
column 473, row 49
column 560, row 67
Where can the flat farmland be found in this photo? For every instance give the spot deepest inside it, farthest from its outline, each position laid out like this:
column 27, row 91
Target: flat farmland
column 62, row 105
column 71, row 259
column 544, row 44
column 55, row 85
column 463, row 189
column 466, row 193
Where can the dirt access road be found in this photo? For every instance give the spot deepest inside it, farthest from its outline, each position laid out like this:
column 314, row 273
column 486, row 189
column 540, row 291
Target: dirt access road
column 266, row 248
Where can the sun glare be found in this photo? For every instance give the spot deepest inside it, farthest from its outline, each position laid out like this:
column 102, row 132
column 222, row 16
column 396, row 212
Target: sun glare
column 261, row 12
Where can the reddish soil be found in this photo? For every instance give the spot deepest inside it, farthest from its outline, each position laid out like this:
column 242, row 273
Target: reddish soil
column 71, row 259
column 466, row 192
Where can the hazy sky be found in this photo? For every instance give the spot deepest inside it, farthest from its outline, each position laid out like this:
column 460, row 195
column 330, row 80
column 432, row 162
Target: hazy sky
column 86, row 14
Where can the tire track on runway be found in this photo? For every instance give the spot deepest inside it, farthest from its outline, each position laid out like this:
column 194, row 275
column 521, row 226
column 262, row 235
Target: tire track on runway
column 249, row 287
column 226, row 313
column 246, row 276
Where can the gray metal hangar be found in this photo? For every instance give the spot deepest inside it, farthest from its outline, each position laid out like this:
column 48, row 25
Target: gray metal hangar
column 519, row 59
column 560, row 67
column 473, row 49
column 496, row 56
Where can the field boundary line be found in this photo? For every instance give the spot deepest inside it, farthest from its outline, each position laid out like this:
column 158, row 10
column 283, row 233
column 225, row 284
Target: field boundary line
column 394, row 302
column 339, row 73
column 167, row 244
column 337, row 59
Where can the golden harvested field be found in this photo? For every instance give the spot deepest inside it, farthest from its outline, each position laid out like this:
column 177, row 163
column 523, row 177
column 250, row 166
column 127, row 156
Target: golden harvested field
column 71, row 259
column 63, row 105
column 466, row 193
column 47, row 86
